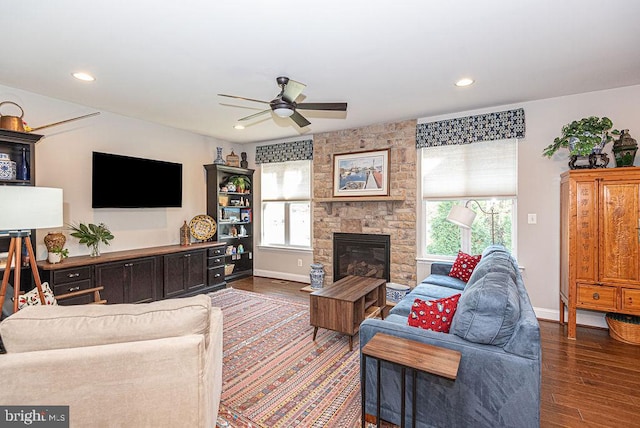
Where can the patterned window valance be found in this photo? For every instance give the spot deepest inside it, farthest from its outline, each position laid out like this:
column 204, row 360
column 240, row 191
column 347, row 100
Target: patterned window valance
column 283, row 152
column 470, row 129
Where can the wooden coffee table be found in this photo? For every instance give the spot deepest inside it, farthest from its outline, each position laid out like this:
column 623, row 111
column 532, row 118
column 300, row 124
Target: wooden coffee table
column 343, row 305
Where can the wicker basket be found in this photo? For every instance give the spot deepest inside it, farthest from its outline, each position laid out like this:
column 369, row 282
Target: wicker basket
column 625, row 328
column 228, row 269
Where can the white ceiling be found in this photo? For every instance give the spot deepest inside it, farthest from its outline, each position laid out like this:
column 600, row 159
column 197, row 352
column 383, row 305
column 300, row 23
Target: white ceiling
column 165, row 61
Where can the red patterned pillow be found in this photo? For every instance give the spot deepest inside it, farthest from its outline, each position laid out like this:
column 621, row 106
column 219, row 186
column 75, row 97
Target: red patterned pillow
column 464, row 265
column 434, row 315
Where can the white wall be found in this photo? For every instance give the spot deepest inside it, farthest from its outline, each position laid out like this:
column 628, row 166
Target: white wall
column 63, row 159
column 539, row 184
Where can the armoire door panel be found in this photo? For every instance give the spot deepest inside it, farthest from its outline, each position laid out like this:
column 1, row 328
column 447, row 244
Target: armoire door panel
column 586, row 221
column 619, row 232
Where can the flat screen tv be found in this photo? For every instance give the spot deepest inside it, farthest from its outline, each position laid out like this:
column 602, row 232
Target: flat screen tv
column 128, row 182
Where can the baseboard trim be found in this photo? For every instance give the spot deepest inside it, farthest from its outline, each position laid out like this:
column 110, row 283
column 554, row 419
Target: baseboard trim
column 282, row 275
column 591, row 319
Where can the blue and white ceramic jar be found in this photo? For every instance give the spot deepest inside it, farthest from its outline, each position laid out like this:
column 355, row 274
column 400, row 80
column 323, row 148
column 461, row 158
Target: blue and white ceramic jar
column 317, row 276
column 7, row 167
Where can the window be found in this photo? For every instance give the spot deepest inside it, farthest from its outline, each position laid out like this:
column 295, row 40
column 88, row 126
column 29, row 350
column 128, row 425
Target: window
column 482, row 176
column 286, row 203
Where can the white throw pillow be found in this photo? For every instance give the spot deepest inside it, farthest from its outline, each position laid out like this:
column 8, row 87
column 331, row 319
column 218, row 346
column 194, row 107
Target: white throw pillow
column 33, row 298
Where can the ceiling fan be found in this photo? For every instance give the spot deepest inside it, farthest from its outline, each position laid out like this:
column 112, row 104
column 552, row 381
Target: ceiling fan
column 284, row 105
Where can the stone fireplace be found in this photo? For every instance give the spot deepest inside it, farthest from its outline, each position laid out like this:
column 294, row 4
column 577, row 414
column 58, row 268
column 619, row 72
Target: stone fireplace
column 361, row 254
column 394, row 216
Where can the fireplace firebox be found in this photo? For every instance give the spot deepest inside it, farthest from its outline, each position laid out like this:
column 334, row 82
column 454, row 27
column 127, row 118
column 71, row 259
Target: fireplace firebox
column 361, row 254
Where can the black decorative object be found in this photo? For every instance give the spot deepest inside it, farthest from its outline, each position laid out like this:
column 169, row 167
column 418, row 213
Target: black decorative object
column 594, row 160
column 625, row 149
column 22, row 173
column 243, row 162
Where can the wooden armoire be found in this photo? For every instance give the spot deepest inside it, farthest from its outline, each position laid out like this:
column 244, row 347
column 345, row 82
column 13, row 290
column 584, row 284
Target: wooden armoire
column 599, row 243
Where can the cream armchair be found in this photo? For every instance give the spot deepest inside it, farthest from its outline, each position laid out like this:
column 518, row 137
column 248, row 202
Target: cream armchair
column 156, row 364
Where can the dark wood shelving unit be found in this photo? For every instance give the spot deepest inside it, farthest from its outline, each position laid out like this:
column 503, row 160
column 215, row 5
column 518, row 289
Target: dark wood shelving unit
column 233, row 213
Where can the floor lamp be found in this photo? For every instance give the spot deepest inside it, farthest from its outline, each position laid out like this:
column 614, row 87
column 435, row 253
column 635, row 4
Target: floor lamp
column 463, row 216
column 25, row 208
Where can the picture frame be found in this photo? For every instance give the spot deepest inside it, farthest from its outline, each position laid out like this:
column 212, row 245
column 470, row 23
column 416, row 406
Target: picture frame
column 361, row 173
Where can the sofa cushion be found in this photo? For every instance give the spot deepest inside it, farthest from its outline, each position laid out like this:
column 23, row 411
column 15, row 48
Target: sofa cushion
column 463, row 266
column 433, row 315
column 423, row 291
column 57, row 327
column 445, row 281
column 489, row 310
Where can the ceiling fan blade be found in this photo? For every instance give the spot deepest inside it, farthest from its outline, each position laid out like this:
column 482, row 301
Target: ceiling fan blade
column 243, row 98
column 323, row 106
column 251, row 116
column 292, row 90
column 299, row 119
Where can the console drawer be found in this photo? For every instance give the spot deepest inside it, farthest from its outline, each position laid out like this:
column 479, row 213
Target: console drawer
column 217, row 251
column 64, row 276
column 215, row 275
column 630, row 301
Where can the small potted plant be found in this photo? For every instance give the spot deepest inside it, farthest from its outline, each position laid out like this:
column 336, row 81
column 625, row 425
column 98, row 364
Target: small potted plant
column 57, row 254
column 583, row 137
column 241, row 183
column 92, row 235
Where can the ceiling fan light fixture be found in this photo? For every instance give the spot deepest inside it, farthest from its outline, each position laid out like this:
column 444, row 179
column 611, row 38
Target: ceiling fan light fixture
column 283, row 111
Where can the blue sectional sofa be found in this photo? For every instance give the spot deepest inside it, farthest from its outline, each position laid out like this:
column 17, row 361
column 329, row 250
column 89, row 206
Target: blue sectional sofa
column 496, row 331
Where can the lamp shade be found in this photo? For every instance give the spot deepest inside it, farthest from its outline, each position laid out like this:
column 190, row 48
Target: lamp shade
column 462, row 216
column 28, row 207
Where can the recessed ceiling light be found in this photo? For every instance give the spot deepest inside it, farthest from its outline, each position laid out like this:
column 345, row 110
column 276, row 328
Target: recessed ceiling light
column 464, row 82
column 86, row 77
column 238, row 126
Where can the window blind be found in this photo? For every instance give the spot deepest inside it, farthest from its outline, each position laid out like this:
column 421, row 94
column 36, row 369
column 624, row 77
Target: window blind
column 286, row 181
column 482, row 169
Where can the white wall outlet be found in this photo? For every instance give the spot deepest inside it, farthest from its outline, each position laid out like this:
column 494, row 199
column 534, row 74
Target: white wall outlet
column 299, row 262
column 532, row 218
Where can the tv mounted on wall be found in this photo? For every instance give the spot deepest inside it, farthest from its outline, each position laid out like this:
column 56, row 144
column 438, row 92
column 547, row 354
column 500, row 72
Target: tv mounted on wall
column 128, row 182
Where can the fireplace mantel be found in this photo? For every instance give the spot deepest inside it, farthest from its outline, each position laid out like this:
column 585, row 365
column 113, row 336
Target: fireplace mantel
column 330, row 201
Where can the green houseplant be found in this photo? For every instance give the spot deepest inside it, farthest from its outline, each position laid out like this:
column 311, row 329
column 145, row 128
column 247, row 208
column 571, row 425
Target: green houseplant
column 92, row 235
column 242, row 182
column 57, row 254
column 583, row 137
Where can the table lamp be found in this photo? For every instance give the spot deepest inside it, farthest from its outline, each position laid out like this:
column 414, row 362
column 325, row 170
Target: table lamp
column 25, row 208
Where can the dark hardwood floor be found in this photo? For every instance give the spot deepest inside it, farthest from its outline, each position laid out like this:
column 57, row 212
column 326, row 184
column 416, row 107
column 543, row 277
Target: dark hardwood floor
column 593, row 381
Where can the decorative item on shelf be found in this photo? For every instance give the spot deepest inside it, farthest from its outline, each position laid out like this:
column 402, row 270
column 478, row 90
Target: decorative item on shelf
column 229, row 250
column 203, row 227
column 57, row 254
column 185, row 238
column 22, row 173
column 243, row 230
column 219, row 160
column 231, row 187
column 624, row 149
column 233, row 159
column 317, row 276
column 223, row 200
column 92, row 235
column 242, row 183
column 233, row 231
column 240, row 249
column 54, row 240
column 243, row 162
column 585, row 139
column 12, row 123
column 7, row 167
column 228, row 269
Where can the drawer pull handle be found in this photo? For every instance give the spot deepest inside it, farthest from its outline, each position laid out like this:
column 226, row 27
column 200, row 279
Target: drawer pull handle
column 216, row 275
column 73, row 275
column 128, row 264
column 217, row 260
column 187, row 255
column 596, row 296
column 74, row 289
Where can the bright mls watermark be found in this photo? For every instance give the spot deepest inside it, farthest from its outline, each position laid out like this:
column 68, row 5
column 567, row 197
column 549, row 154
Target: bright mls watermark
column 34, row 416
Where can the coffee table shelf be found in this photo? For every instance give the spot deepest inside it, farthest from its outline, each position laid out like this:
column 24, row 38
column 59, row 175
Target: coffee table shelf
column 343, row 305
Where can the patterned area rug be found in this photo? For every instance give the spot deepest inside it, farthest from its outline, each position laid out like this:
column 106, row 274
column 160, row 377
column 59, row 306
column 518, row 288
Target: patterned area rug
column 274, row 375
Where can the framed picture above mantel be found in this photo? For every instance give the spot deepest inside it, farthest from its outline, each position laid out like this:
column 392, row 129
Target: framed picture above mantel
column 361, row 173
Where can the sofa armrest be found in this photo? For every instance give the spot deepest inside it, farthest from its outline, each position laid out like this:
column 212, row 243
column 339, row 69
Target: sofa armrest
column 148, row 383
column 493, row 387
